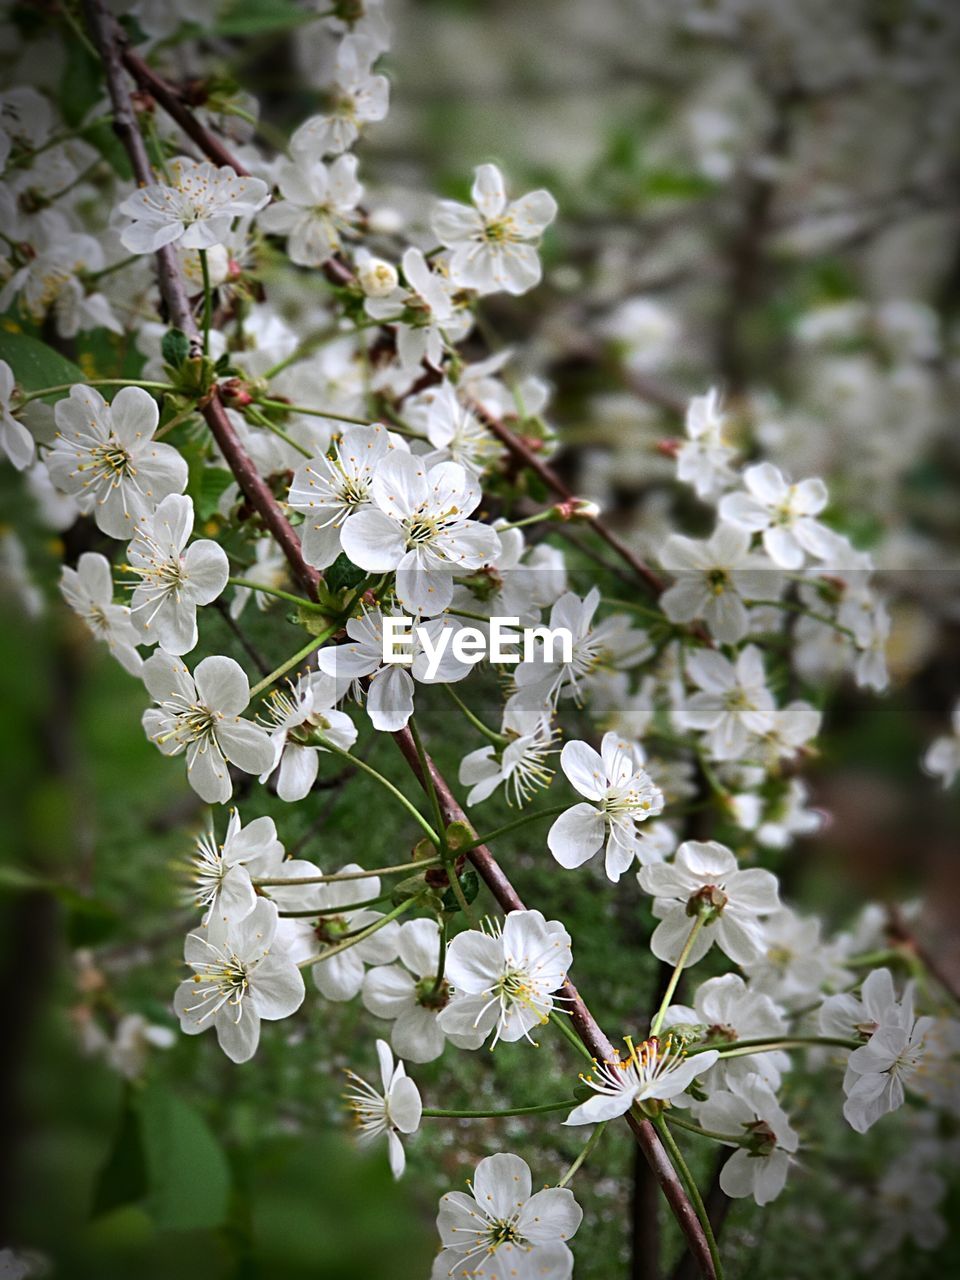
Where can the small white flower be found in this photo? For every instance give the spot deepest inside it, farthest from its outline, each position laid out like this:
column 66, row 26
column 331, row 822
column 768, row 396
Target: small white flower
column 714, row 579
column 457, row 434
column 88, row 590
column 654, row 1070
column 704, row 874
column 317, row 207
column 173, row 582
column 419, row 526
column 612, row 643
column 195, row 211
column 851, row 1016
column 783, row 513
column 734, row 702
column 494, row 243
column 727, row 1010
column 16, row 442
column 376, row 277
column 358, row 97
column 942, row 759
column 505, row 980
column 328, row 489
column 622, row 795
column 877, row 1073
column 394, row 1111
column 106, row 458
column 294, row 717
column 749, row 1110
column 521, row 765
column 407, row 994
column 270, row 568
column 200, row 714
column 703, row 459
column 220, row 874
column 795, row 962
column 502, row 1232
column 426, row 318
column 130, row 1048
column 240, row 978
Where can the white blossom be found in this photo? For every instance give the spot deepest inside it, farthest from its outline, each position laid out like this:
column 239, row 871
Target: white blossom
column 656, row 1070
column 715, row 580
column 493, row 243
column 195, row 210
column 200, row 715
column 733, row 704
column 317, row 207
column 88, row 590
column 16, row 442
column 501, row 1231
column 105, row 458
column 748, row 1109
column 620, row 794
column 241, row 976
column 942, row 758
column 782, row 513
column 393, row 1111
column 358, row 97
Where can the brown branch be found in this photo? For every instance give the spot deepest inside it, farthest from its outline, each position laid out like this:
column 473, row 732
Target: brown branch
column 172, row 102
column 583, row 1020
column 258, row 494
column 523, row 453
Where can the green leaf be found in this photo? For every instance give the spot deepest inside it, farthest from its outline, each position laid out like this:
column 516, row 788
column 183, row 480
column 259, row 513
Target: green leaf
column 343, row 574
column 36, row 365
column 189, row 1177
column 123, row 1178
column 469, row 883
column 212, row 482
column 80, row 85
column 175, row 347
column 257, row 17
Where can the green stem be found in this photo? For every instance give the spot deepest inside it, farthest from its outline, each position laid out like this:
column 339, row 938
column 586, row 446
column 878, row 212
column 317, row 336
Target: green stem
column 658, row 1017
column 499, row 739
column 591, row 1143
column 263, row 421
column 731, row 1139
column 791, row 607
column 207, row 300
column 441, row 956
column 335, row 911
column 641, row 609
column 406, row 868
column 301, row 601
column 744, row 1047
column 517, row 822
column 361, row 935
column 541, row 1109
column 693, row 1191
column 96, row 382
column 315, row 643
column 313, row 413
column 92, row 276
column 397, row 794
column 559, row 1020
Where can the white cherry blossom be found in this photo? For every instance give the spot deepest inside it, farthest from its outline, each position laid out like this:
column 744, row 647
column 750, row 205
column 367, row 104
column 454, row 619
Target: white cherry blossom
column 877, row 1073
column 520, row 766
column 173, row 578
column 195, row 210
column 704, row 875
column 656, row 1070
column 621, row 795
column 318, row 206
column 493, row 244
column 241, row 977
column 504, row 980
column 88, row 590
column 725, row 1009
column 328, row 489
column 200, row 715
column 16, row 442
column 106, row 459
column 704, row 458
column 393, row 1111
column 782, row 513
column 220, row 873
column 734, row 703
column 501, row 1231
column 426, row 317
column 358, row 97
column 715, row 580
column 749, row 1109
column 294, row 716
column 942, row 758
column 419, row 526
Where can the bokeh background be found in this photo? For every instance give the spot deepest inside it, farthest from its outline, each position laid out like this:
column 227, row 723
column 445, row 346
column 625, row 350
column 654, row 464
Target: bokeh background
column 757, row 195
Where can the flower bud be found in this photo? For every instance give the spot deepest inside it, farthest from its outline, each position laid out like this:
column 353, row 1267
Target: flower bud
column 377, row 277
column 577, row 509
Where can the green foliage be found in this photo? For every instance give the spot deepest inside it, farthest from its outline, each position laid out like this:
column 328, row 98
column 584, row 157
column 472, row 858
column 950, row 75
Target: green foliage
column 34, row 363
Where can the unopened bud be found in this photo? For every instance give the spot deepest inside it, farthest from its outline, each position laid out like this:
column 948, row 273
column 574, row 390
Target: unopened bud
column 377, row 277
column 234, row 391
column 669, row 448
column 577, row 509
